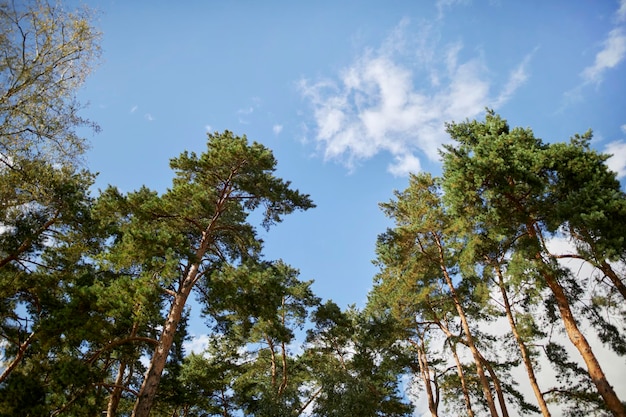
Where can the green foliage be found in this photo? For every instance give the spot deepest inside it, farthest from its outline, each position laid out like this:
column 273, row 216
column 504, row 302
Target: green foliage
column 193, row 235
column 590, row 201
column 257, row 300
column 485, row 224
column 86, row 284
column 575, row 388
column 47, row 53
column 354, row 365
column 516, row 192
column 203, row 217
column 46, row 232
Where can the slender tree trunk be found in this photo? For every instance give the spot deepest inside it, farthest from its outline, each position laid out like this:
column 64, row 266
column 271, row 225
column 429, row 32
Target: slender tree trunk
column 116, row 394
column 424, row 371
column 617, row 282
column 285, row 379
column 522, row 346
column 283, row 384
column 18, row 357
column 468, row 334
column 496, row 385
column 270, row 346
column 151, row 381
column 577, row 338
column 459, row 370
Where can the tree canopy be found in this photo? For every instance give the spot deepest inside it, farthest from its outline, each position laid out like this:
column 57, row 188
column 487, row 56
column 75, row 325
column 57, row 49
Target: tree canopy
column 471, row 291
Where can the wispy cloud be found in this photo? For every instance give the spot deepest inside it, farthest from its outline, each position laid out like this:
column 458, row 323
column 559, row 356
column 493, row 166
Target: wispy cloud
column 517, row 78
column 277, row 129
column 443, row 5
column 611, row 55
column 146, row 116
column 245, row 113
column 617, row 162
column 196, row 344
column 620, row 15
column 374, row 106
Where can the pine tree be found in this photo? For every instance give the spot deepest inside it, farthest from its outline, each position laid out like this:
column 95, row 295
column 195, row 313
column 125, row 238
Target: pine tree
column 195, row 227
column 506, row 183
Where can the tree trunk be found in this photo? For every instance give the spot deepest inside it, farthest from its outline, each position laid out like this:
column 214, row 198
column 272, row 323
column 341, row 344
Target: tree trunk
column 21, row 351
column 617, row 282
column 522, row 346
column 116, row 394
column 468, row 334
column 151, row 381
column 283, row 384
column 577, row 338
column 496, row 385
column 144, row 401
column 270, row 346
column 459, row 370
column 425, row 371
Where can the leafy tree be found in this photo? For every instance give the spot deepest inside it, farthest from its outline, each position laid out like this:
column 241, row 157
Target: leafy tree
column 507, row 183
column 52, row 305
column 590, row 205
column 353, row 365
column 423, row 250
column 259, row 306
column 195, row 227
column 254, row 309
column 47, row 53
column 208, row 379
column 44, row 205
column 521, row 333
column 35, row 217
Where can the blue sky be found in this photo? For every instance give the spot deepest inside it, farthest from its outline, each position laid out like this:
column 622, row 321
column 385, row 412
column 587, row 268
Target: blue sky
column 349, row 95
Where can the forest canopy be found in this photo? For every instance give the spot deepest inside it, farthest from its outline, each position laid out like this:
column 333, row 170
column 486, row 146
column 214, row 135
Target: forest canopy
column 472, row 292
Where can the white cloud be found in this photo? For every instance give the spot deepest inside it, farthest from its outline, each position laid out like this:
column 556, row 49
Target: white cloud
column 148, row 117
column 197, row 344
column 373, row 105
column 134, row 109
column 610, row 56
column 621, row 12
column 617, row 162
column 442, row 5
column 623, row 127
column 277, row 129
column 517, row 78
column 208, row 128
column 404, row 164
column 245, row 113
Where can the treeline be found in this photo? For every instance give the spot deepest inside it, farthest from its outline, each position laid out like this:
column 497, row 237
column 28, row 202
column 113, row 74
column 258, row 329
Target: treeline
column 475, row 251
column 95, row 289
